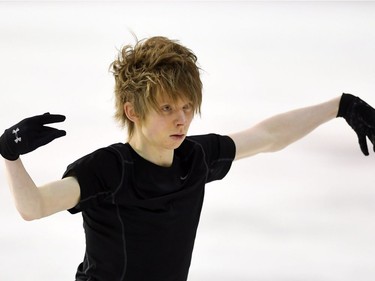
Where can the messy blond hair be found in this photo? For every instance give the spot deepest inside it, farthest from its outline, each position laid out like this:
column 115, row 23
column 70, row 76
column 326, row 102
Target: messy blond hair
column 154, row 66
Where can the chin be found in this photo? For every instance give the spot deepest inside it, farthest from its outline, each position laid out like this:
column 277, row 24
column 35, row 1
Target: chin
column 177, row 143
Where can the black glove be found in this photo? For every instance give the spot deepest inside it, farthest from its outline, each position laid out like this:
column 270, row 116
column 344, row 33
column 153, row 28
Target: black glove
column 361, row 117
column 29, row 134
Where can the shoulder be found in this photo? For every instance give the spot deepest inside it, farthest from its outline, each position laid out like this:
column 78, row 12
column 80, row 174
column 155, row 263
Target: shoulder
column 98, row 173
column 214, row 146
column 216, row 151
column 209, row 141
column 102, row 159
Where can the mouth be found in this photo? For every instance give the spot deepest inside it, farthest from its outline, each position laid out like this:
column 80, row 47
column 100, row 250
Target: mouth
column 178, row 136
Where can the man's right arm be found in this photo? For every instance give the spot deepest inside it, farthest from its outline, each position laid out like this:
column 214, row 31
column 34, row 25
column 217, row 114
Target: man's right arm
column 33, row 202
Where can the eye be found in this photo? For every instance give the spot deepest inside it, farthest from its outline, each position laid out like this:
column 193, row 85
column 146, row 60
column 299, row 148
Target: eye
column 188, row 107
column 166, row 108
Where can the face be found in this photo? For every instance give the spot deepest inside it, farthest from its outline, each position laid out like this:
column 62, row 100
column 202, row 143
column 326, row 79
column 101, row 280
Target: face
column 165, row 127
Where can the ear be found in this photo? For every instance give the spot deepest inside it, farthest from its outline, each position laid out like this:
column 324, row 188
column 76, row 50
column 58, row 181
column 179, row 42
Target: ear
column 130, row 112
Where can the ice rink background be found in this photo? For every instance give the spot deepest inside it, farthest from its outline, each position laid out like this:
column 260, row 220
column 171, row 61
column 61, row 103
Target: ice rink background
column 306, row 213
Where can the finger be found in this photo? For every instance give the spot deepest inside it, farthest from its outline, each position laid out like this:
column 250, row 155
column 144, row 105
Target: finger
column 372, row 139
column 57, row 134
column 48, row 118
column 370, row 134
column 49, row 135
column 363, row 144
column 49, row 131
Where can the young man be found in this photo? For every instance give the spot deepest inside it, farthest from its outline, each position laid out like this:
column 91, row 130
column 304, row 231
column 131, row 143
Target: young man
column 141, row 200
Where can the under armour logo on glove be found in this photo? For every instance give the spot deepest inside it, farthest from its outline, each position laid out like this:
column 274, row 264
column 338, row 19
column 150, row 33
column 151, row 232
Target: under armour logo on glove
column 17, row 139
column 34, row 135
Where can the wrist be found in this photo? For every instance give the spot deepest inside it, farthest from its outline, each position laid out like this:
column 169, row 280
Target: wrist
column 345, row 104
column 5, row 150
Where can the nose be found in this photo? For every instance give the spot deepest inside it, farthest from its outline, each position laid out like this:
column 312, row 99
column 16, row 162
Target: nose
column 180, row 118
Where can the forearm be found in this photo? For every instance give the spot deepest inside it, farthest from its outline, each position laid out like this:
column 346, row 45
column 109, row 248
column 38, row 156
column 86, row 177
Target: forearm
column 286, row 128
column 25, row 193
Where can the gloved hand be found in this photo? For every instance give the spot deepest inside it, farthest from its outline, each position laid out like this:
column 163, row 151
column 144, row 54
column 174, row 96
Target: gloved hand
column 361, row 117
column 29, row 134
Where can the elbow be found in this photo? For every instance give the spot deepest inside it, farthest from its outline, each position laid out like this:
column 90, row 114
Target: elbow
column 29, row 215
column 273, row 143
column 276, row 147
column 278, row 142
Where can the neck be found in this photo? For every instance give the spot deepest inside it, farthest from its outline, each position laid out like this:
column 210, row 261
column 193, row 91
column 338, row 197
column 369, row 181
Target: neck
column 160, row 157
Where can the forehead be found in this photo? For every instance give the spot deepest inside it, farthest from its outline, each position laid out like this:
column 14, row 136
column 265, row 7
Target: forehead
column 171, row 98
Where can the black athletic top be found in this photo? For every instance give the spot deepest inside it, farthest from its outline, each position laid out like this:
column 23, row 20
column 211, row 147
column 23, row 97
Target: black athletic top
column 140, row 219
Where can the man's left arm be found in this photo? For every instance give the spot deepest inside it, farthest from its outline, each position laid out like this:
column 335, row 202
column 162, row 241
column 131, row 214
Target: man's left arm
column 281, row 130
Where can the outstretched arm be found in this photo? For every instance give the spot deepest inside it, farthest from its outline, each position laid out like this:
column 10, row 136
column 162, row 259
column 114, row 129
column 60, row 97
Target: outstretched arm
column 279, row 131
column 31, row 201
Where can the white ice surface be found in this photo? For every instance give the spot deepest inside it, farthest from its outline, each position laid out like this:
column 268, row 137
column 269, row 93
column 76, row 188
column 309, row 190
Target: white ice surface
column 306, row 213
